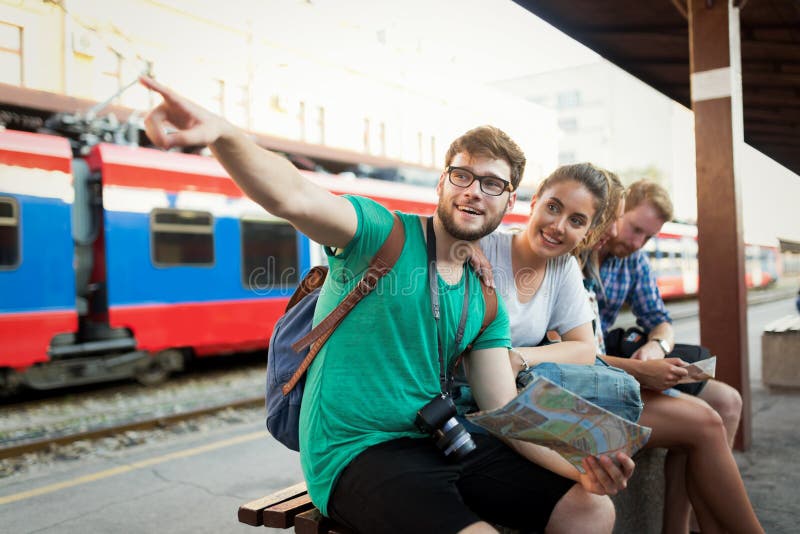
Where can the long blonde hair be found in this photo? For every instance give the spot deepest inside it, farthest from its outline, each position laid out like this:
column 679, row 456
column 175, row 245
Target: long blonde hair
column 584, row 252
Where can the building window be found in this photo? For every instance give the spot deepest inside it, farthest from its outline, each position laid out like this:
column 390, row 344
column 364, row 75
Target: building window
column 218, row 96
column 301, row 121
column 569, row 99
column 278, row 104
column 269, row 254
column 382, row 137
column 182, row 237
column 367, row 135
column 9, row 233
column 320, row 125
column 11, row 54
column 568, row 124
column 241, row 107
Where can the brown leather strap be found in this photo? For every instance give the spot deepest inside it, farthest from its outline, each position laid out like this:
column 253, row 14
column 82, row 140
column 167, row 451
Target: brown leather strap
column 490, row 301
column 489, row 313
column 381, row 264
column 311, row 281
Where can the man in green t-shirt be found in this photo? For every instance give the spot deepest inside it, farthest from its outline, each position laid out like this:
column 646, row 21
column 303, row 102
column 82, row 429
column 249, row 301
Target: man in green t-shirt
column 366, row 463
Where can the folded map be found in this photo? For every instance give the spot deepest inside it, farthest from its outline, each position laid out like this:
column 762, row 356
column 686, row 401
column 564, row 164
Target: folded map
column 549, row 415
column 700, row 370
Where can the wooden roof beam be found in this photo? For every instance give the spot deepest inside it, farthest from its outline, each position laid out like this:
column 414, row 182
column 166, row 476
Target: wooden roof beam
column 783, row 115
column 680, row 5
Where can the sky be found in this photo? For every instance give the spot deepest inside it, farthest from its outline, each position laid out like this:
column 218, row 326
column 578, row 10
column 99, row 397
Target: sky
column 486, row 40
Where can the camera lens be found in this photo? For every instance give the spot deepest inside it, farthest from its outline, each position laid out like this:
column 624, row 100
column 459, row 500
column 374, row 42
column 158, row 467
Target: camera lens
column 453, row 439
column 437, row 419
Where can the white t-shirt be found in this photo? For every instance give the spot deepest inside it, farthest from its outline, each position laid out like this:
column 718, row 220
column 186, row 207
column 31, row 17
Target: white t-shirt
column 559, row 304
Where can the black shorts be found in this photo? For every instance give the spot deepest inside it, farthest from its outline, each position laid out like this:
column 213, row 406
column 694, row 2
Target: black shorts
column 407, row 485
column 624, row 343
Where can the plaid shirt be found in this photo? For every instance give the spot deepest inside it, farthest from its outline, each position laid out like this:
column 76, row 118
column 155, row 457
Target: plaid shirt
column 630, row 280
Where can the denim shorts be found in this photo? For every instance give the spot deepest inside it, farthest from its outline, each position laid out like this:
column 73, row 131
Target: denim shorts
column 608, row 387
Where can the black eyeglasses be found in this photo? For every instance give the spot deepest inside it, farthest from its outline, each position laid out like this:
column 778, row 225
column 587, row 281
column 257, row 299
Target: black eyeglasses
column 491, row 185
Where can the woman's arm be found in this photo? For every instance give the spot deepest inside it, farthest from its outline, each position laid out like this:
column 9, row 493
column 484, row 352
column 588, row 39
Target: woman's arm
column 577, row 346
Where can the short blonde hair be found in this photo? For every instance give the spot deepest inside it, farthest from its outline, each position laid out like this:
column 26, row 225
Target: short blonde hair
column 643, row 191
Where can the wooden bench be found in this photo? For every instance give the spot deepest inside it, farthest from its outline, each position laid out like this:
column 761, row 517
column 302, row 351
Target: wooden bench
column 780, row 352
column 287, row 508
column 639, row 508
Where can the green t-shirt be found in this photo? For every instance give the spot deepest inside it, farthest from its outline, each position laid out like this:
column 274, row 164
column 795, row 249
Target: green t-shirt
column 381, row 364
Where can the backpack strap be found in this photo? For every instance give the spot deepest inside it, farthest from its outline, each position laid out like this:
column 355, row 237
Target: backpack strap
column 311, row 281
column 489, row 314
column 381, row 263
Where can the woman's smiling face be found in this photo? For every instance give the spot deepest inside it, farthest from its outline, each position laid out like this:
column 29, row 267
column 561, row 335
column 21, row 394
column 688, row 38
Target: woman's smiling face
column 560, row 218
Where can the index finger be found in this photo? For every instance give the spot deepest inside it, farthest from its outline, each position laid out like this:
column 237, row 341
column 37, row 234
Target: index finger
column 677, row 362
column 159, row 88
column 679, row 371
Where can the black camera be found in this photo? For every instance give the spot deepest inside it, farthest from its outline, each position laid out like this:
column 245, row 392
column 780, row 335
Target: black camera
column 437, row 418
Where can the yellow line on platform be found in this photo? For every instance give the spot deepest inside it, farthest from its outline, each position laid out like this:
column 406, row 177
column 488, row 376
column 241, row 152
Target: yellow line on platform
column 130, row 467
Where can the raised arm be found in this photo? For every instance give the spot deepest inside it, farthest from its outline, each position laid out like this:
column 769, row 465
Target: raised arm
column 267, row 178
column 492, row 383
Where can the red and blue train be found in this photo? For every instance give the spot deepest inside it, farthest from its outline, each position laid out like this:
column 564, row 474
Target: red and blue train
column 121, row 261
column 128, row 260
column 673, row 257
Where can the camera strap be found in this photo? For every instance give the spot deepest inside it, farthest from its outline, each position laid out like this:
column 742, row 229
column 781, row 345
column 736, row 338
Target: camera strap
column 445, row 380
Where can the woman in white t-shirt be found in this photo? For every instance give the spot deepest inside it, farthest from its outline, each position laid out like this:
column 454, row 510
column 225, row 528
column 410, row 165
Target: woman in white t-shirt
column 540, row 282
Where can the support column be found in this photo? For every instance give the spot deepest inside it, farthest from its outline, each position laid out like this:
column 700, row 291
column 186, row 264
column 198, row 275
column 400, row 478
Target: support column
column 717, row 104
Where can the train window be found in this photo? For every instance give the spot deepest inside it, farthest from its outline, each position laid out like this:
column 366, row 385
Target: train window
column 182, row 237
column 9, row 233
column 269, row 254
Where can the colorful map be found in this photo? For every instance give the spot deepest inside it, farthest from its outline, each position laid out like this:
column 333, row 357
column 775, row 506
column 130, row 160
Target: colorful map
column 700, row 370
column 549, row 415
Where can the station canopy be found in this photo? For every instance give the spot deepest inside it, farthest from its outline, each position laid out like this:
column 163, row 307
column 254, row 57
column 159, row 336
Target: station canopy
column 650, row 40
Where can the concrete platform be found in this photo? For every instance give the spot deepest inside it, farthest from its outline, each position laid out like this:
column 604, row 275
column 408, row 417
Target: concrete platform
column 195, row 484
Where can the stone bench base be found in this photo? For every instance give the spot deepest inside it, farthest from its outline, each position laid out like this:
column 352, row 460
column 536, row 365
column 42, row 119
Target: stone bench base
column 641, row 506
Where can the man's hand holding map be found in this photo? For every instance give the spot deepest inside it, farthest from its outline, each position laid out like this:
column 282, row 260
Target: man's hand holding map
column 549, row 415
column 700, row 370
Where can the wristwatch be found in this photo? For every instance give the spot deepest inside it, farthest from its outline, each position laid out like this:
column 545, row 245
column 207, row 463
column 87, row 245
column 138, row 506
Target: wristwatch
column 663, row 344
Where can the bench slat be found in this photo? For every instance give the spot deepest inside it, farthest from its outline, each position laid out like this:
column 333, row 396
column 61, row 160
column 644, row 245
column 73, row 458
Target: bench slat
column 313, row 522
column 252, row 513
column 282, row 515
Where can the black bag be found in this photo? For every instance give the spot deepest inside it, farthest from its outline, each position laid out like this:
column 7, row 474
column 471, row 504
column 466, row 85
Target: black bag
column 624, row 343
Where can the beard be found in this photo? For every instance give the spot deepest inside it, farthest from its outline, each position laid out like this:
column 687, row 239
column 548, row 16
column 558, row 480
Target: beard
column 448, row 221
column 618, row 250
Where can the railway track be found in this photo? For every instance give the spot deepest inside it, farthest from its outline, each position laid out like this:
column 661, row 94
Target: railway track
column 42, row 429
column 28, row 446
